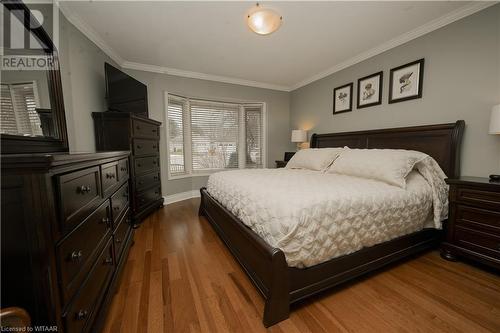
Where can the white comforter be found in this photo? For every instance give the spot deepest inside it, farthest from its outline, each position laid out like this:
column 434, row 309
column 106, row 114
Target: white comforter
column 313, row 217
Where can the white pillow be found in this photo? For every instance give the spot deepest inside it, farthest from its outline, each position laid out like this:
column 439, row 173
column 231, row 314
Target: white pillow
column 314, row 158
column 387, row 165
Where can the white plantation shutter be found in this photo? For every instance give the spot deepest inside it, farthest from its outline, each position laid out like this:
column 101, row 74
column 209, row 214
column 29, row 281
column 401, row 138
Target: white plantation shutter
column 214, row 135
column 176, row 107
column 8, row 123
column 253, row 135
column 23, row 104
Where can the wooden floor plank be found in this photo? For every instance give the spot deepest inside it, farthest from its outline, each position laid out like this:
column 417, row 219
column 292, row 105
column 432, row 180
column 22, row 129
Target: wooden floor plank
column 179, row 277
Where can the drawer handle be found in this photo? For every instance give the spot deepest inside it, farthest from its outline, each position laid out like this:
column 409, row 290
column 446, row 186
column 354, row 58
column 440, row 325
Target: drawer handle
column 84, row 189
column 153, row 130
column 154, row 146
column 76, row 255
column 82, row 314
column 139, row 147
column 108, row 261
column 123, row 169
column 118, row 241
column 116, row 208
column 154, row 162
column 155, row 177
column 110, row 175
column 139, row 165
column 106, row 220
column 138, row 127
column 156, row 192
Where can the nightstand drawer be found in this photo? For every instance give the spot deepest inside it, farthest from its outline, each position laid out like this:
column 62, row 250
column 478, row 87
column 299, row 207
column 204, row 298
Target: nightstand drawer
column 478, row 197
column 478, row 241
column 478, row 219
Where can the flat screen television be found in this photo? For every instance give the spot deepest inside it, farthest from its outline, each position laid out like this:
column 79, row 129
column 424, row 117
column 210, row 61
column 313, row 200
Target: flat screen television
column 124, row 93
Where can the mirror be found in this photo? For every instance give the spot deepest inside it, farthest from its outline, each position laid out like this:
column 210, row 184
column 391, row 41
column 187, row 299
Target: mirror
column 32, row 109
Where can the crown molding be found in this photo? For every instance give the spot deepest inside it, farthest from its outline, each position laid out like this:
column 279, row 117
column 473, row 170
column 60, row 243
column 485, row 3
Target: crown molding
column 90, row 33
column 201, row 76
column 440, row 22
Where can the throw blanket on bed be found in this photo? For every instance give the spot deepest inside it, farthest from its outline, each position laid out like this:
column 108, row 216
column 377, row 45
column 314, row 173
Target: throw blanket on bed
column 313, row 217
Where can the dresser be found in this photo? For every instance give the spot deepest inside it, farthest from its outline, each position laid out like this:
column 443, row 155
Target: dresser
column 473, row 228
column 66, row 234
column 125, row 131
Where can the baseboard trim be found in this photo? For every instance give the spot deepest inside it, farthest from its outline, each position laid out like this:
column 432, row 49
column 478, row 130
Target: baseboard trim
column 169, row 199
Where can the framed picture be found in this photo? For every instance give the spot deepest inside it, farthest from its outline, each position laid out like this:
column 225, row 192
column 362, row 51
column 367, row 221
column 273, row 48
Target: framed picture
column 370, row 90
column 342, row 99
column 406, row 82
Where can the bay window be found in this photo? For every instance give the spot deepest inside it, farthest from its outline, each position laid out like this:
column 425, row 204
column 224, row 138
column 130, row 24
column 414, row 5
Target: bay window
column 205, row 136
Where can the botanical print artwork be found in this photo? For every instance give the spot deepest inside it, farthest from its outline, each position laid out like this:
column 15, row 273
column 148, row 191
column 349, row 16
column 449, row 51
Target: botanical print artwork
column 342, row 98
column 370, row 90
column 406, row 82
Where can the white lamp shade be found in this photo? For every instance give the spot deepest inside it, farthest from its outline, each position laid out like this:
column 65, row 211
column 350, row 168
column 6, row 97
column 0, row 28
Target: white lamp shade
column 495, row 120
column 299, row 136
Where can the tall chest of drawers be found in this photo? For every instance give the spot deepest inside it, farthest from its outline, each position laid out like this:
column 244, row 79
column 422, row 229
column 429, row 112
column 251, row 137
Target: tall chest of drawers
column 124, row 131
column 66, row 234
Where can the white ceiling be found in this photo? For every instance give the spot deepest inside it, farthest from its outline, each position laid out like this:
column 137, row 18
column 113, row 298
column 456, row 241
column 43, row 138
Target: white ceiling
column 211, row 40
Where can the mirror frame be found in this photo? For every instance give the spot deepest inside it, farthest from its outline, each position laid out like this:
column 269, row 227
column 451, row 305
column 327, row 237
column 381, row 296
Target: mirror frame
column 18, row 144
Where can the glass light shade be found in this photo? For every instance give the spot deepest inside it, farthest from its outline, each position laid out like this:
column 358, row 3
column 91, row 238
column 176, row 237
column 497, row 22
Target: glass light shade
column 495, row 120
column 299, row 136
column 264, row 21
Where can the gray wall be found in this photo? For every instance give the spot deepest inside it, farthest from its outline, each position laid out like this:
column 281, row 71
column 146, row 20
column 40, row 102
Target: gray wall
column 82, row 75
column 278, row 135
column 461, row 81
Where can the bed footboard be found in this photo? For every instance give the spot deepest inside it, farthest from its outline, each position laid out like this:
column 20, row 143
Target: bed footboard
column 266, row 266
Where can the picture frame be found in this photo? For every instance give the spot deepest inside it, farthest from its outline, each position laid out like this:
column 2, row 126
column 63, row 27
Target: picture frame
column 342, row 98
column 370, row 90
column 406, row 81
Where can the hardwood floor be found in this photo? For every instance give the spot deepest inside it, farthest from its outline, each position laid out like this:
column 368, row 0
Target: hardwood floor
column 181, row 278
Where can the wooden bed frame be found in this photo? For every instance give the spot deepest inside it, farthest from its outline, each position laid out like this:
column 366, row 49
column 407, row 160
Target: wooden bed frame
column 266, row 266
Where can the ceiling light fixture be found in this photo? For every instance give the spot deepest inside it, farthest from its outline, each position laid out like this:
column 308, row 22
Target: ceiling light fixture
column 264, row 21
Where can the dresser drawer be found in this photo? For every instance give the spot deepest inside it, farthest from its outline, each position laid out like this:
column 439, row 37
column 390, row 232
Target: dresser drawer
column 76, row 252
column 79, row 194
column 109, row 174
column 148, row 196
column 119, row 202
column 478, row 219
column 145, row 147
column 145, row 130
column 478, row 241
column 478, row 197
column 123, row 168
column 146, row 164
column 120, row 236
column 147, row 180
column 86, row 303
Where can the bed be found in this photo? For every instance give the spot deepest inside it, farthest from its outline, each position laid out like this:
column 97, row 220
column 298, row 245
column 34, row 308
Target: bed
column 284, row 279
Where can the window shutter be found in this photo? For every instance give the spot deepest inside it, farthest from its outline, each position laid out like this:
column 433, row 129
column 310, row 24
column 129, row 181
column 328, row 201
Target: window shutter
column 214, row 135
column 23, row 104
column 176, row 107
column 8, row 123
column 253, row 135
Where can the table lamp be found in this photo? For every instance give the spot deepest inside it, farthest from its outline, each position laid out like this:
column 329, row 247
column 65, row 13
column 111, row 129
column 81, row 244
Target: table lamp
column 299, row 136
column 495, row 129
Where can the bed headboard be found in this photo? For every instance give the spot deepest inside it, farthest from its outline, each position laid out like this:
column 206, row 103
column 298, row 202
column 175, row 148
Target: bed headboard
column 442, row 142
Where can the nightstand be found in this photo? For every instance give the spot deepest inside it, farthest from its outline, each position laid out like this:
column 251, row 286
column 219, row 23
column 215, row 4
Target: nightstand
column 281, row 164
column 473, row 228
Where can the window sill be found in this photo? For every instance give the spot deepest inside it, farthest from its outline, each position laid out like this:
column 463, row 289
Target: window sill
column 204, row 174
